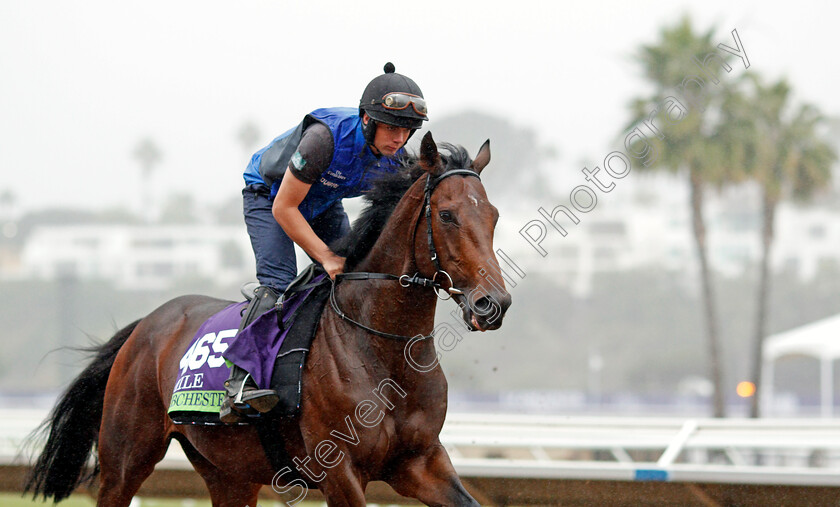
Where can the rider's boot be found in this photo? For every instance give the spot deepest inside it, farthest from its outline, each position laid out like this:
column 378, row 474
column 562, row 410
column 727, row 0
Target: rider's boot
column 242, row 392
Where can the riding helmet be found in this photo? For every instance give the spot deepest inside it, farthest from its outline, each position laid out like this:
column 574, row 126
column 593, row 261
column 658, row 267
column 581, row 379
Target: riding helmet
column 372, row 102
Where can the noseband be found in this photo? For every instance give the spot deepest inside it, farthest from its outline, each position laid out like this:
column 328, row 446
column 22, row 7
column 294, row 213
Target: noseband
column 406, row 280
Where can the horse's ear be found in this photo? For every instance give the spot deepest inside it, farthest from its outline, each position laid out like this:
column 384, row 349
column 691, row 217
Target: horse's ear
column 483, row 157
column 429, row 157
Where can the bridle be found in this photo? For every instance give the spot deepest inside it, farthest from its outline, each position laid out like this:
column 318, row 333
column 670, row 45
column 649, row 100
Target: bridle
column 406, row 280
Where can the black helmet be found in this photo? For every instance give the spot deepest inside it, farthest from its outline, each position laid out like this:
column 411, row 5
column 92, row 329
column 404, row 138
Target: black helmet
column 393, row 99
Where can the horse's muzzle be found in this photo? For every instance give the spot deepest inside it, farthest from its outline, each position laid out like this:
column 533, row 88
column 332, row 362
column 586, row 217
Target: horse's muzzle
column 487, row 312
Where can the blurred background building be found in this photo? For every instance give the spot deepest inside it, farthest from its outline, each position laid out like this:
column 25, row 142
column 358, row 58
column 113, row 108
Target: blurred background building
column 123, row 144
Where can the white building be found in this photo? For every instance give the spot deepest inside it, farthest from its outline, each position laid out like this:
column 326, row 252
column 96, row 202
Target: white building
column 139, row 257
column 643, row 225
column 807, row 240
column 649, row 225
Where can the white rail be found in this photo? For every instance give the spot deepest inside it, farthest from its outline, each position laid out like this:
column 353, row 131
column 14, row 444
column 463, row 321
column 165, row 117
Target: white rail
column 804, row 452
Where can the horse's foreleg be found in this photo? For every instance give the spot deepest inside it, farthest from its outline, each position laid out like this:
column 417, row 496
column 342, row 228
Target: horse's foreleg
column 431, row 478
column 341, row 485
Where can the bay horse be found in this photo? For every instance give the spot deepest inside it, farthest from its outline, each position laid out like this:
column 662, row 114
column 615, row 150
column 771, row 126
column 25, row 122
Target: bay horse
column 425, row 231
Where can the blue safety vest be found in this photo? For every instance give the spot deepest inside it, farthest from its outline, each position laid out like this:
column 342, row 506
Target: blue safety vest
column 350, row 173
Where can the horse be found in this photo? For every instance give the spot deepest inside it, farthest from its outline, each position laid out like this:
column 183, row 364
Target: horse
column 367, row 411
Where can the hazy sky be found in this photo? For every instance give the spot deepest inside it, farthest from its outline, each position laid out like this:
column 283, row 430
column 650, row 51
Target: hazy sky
column 82, row 82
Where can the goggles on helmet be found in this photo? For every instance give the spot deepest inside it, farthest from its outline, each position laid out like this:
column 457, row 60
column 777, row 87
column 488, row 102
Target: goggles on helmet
column 397, row 101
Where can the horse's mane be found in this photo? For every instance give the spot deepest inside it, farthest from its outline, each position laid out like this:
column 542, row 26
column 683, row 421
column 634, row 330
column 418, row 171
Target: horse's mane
column 383, row 197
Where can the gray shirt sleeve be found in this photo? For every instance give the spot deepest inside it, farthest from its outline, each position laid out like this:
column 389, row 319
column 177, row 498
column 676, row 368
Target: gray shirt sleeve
column 314, row 153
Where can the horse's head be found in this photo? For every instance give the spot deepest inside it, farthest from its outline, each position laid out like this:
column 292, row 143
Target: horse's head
column 457, row 241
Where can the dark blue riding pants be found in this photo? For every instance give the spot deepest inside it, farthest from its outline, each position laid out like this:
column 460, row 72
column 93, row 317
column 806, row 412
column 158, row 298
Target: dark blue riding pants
column 274, row 250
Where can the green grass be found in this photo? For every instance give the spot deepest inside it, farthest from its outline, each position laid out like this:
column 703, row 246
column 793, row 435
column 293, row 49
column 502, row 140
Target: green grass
column 12, row 500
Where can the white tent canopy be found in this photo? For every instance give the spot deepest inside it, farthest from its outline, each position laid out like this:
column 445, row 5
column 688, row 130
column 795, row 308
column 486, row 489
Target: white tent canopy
column 820, row 340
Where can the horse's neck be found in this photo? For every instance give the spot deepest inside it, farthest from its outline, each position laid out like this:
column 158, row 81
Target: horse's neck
column 388, row 307
column 396, row 309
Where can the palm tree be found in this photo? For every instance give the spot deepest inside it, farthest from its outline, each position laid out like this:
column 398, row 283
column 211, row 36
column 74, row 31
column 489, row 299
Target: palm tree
column 784, row 154
column 8, row 214
column 248, row 135
column 8, row 200
column 148, row 155
column 690, row 146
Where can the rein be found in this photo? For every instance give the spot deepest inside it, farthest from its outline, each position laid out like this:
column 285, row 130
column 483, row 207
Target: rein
column 406, row 280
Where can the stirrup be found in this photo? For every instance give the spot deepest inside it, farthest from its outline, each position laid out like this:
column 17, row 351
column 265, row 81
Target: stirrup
column 230, row 415
column 261, row 400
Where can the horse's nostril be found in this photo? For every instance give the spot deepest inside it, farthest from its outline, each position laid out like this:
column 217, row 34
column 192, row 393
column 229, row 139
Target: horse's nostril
column 483, row 305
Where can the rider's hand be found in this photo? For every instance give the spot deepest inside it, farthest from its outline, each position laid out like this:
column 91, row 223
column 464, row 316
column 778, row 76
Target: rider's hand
column 333, row 265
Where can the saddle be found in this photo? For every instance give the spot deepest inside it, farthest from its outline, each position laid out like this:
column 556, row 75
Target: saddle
column 286, row 379
column 273, row 349
column 299, row 283
column 304, row 281
column 311, row 277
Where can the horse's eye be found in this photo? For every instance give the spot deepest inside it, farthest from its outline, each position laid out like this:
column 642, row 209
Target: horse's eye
column 446, row 216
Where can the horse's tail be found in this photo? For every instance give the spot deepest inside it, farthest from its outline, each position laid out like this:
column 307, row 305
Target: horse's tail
column 72, row 428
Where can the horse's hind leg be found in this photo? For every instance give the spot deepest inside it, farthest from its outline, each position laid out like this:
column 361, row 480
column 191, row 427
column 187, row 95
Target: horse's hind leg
column 225, row 491
column 131, row 443
column 133, row 434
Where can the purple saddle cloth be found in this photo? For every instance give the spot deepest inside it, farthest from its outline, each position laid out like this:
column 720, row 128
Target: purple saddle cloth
column 204, row 366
